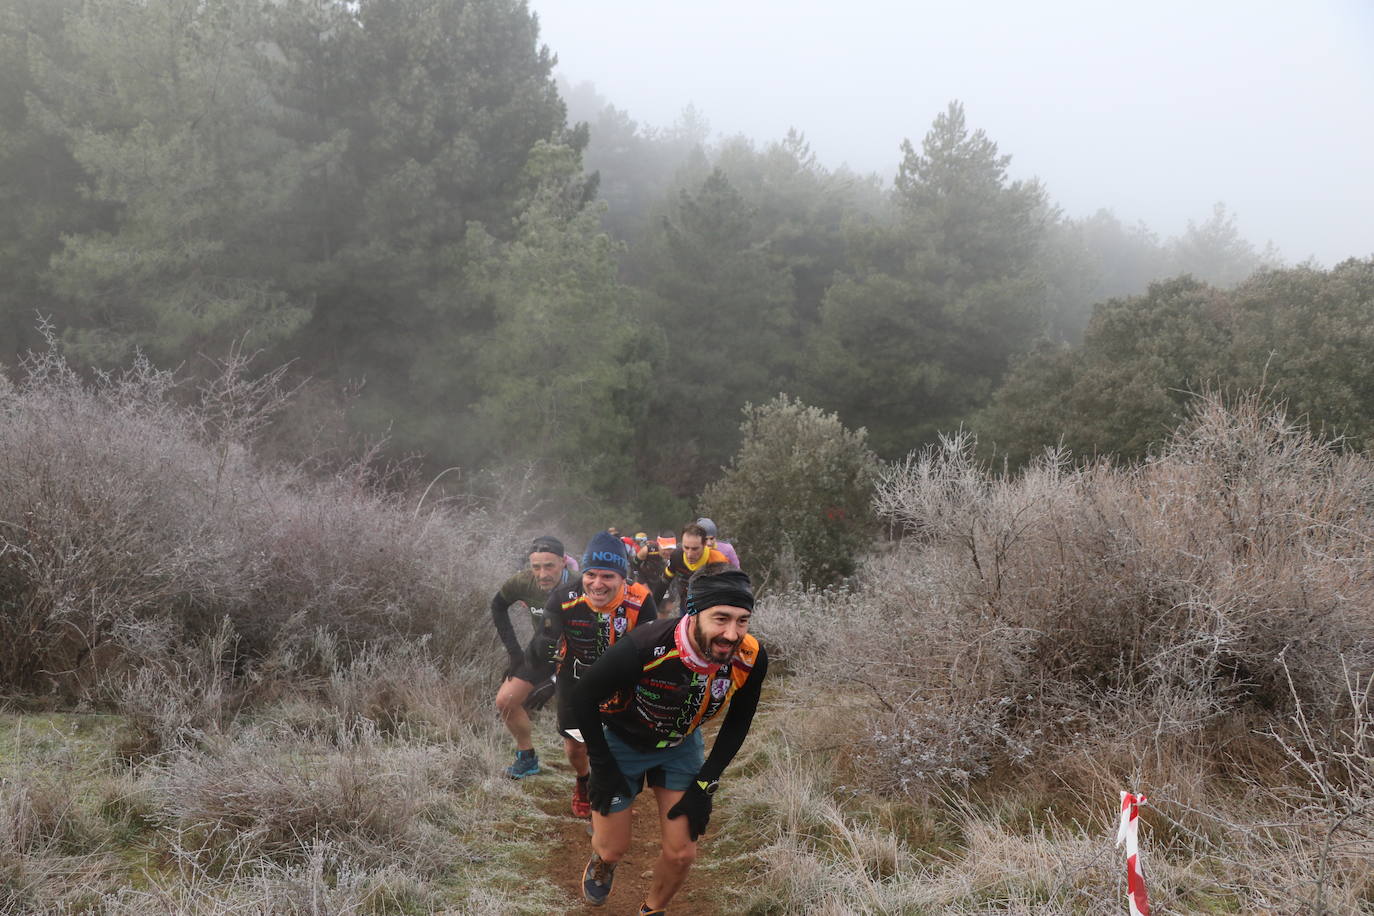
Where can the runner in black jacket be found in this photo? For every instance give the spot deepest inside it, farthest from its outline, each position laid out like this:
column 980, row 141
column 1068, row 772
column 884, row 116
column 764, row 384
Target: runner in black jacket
column 640, row 708
column 582, row 620
column 524, row 685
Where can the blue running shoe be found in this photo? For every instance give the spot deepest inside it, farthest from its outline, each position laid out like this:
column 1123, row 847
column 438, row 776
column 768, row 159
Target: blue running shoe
column 526, row 764
column 596, row 880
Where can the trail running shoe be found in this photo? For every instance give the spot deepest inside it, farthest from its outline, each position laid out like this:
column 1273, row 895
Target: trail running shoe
column 596, row 880
column 581, row 804
column 646, row 910
column 526, row 764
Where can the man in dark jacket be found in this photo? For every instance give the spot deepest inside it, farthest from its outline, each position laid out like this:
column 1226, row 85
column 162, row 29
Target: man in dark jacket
column 640, row 708
column 523, row 679
column 583, row 619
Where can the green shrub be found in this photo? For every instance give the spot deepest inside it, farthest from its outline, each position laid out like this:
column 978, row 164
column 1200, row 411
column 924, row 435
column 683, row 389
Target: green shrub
column 795, row 499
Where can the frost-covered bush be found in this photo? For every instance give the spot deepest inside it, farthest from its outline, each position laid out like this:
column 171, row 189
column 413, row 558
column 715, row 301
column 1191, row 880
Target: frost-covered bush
column 135, row 518
column 1193, row 598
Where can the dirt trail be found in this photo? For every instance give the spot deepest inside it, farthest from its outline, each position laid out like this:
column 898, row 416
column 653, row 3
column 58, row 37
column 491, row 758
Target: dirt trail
column 570, row 849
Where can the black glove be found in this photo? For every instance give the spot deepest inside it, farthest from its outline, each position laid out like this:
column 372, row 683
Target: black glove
column 695, row 804
column 605, row 784
column 541, row 651
column 539, row 696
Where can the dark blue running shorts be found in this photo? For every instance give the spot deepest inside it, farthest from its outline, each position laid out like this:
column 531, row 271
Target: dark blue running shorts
column 669, row 768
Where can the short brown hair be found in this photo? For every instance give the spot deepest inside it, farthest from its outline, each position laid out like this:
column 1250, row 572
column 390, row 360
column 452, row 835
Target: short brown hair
column 696, row 529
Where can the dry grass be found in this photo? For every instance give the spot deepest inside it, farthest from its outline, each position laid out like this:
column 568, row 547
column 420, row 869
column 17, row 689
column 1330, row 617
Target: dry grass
column 815, row 846
column 265, row 816
column 39, row 815
column 823, row 850
column 255, row 799
column 296, row 670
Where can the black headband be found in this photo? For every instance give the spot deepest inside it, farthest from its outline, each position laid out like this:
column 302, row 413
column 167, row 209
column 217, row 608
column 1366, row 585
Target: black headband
column 730, row 587
column 547, row 544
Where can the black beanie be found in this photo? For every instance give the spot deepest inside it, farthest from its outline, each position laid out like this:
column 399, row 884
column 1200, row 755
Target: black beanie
column 730, row 587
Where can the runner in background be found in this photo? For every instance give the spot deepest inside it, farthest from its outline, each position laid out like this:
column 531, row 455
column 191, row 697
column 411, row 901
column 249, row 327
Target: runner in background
column 691, row 555
column 525, row 686
column 648, row 562
column 712, row 540
column 582, row 620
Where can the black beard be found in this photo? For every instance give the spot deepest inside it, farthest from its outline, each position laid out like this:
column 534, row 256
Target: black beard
column 705, row 646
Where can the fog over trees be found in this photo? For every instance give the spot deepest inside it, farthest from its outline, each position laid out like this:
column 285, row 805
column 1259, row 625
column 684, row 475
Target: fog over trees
column 494, row 270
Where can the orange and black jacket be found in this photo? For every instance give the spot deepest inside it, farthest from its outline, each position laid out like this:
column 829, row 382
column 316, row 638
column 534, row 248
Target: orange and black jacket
column 582, row 633
column 654, row 689
column 678, row 572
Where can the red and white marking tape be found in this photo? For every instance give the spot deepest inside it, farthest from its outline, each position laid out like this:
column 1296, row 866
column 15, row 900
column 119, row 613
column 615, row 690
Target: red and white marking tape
column 1135, row 880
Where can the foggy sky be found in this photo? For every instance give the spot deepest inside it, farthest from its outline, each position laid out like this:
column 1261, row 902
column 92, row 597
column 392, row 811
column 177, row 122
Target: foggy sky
column 1155, row 113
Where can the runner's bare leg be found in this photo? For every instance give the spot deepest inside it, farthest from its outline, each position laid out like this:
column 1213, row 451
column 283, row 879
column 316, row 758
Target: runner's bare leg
column 678, row 853
column 510, row 703
column 611, row 835
column 577, row 756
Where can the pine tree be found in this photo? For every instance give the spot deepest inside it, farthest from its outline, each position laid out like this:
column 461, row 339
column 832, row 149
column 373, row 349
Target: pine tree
column 939, row 297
